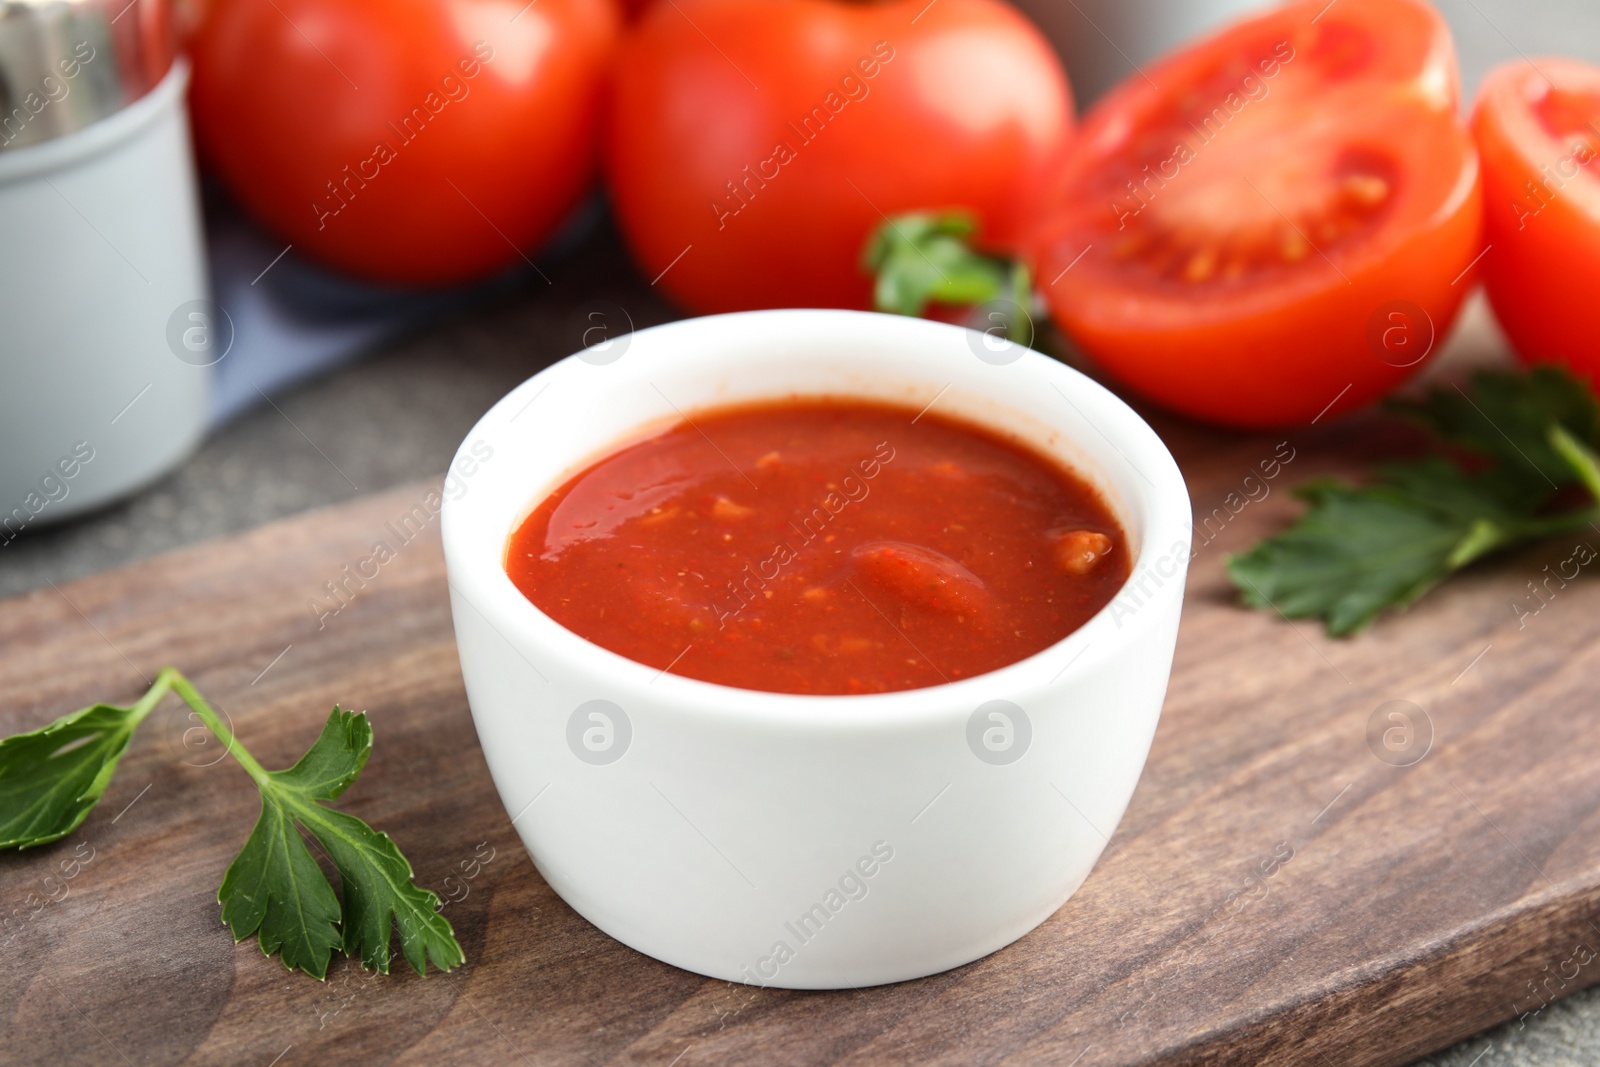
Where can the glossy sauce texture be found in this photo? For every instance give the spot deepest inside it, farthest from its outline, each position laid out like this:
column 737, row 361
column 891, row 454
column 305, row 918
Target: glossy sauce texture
column 822, row 546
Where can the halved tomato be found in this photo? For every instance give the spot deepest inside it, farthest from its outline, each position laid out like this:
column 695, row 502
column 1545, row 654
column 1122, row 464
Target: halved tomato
column 1274, row 224
column 1538, row 128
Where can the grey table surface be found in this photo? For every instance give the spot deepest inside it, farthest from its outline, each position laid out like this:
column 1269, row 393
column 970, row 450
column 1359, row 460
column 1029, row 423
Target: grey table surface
column 399, row 415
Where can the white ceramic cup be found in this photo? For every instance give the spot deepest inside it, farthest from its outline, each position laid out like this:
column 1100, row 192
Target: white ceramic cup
column 810, row 841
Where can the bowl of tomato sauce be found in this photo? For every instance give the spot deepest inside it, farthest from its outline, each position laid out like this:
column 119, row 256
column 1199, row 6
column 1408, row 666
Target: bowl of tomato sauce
column 812, row 648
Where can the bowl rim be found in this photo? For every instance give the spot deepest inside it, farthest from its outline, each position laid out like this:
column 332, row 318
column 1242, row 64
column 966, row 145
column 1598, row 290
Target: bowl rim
column 1163, row 497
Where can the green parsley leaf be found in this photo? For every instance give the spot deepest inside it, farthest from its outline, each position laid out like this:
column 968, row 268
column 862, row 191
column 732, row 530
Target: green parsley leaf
column 378, row 893
column 919, row 258
column 52, row 778
column 330, row 765
column 1362, row 549
column 1506, row 417
column 276, row 890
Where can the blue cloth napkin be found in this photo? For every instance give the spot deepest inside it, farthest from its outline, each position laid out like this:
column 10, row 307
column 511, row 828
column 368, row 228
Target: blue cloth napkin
column 293, row 319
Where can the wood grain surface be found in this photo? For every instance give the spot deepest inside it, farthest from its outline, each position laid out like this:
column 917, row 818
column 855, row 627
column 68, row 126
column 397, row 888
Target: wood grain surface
column 1277, row 893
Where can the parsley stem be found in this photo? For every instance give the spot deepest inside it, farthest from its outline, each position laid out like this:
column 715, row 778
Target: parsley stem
column 1583, row 462
column 151, row 698
column 170, row 677
column 1558, row 524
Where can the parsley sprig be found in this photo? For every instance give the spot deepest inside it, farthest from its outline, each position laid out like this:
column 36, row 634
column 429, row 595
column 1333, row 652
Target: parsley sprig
column 1528, row 471
column 52, row 778
column 921, row 258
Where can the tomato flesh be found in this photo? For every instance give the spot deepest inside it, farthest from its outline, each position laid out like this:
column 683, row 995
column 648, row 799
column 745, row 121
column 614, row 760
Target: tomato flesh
column 1214, row 225
column 1537, row 126
column 1229, row 228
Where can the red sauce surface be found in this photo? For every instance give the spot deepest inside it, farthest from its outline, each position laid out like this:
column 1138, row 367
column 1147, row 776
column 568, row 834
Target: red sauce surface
column 822, row 546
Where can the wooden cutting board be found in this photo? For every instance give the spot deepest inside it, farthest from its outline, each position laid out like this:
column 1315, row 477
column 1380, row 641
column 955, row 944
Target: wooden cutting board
column 1277, row 893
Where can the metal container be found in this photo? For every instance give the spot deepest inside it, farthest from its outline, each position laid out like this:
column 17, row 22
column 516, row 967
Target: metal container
column 106, row 329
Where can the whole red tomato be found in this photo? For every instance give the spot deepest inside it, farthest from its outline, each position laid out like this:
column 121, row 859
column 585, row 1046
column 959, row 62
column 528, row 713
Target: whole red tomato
column 1274, row 224
column 409, row 141
column 1538, row 126
column 753, row 145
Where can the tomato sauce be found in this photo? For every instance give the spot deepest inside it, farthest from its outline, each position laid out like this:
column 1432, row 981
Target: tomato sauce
column 822, row 546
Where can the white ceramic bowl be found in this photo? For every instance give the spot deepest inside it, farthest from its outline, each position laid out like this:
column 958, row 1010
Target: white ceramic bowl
column 810, row 841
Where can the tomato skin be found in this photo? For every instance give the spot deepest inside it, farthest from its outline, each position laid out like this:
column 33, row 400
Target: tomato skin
column 1542, row 271
column 965, row 106
column 287, row 94
column 1290, row 343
